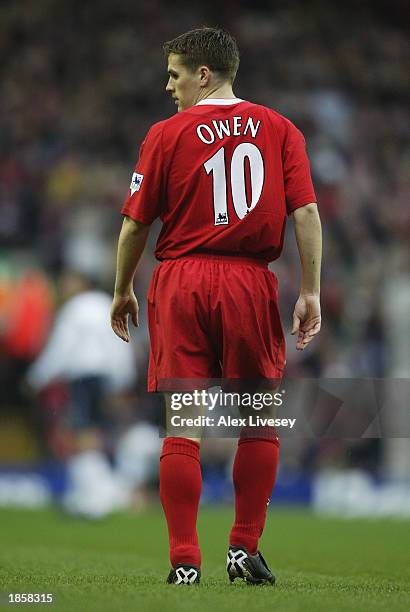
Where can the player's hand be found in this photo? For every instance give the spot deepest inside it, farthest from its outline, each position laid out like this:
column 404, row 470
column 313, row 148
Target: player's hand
column 122, row 306
column 306, row 320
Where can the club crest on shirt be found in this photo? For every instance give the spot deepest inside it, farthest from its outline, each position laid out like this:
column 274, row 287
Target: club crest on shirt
column 136, row 182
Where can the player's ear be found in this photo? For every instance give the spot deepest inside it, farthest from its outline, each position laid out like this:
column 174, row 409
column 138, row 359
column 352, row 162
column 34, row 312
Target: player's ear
column 204, row 75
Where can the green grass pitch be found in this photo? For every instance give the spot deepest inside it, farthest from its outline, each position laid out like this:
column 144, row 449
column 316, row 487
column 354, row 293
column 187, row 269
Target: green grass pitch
column 121, row 563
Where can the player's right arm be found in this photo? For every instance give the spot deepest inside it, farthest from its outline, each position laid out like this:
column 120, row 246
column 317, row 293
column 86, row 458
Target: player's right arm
column 301, row 204
column 306, row 315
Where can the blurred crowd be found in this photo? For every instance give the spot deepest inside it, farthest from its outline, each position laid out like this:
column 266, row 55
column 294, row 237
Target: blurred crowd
column 80, row 85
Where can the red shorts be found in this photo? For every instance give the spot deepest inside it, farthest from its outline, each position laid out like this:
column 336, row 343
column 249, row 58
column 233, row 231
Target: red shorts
column 213, row 317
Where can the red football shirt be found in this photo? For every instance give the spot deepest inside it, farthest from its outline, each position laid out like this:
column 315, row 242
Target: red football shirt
column 222, row 176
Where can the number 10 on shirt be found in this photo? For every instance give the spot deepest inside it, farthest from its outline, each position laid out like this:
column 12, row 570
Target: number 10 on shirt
column 217, row 165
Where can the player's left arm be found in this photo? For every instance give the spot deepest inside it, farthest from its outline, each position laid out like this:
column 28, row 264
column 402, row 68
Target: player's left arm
column 131, row 244
column 307, row 315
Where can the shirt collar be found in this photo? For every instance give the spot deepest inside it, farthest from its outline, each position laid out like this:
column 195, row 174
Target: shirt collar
column 219, row 101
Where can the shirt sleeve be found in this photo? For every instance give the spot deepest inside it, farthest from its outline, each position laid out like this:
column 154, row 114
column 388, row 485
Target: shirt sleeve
column 145, row 198
column 296, row 170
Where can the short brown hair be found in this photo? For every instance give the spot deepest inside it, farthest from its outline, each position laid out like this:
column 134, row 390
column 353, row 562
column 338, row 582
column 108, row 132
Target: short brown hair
column 211, row 47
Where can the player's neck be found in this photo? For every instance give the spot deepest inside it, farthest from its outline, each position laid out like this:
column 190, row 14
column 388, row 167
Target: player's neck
column 223, row 92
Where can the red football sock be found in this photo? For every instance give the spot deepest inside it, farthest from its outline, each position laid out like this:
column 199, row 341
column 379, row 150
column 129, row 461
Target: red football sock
column 254, row 475
column 180, row 490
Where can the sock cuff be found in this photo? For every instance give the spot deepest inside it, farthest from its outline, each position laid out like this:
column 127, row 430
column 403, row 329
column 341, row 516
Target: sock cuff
column 259, row 434
column 180, row 446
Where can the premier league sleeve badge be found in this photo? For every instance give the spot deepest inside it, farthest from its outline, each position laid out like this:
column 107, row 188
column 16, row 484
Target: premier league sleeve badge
column 136, row 182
